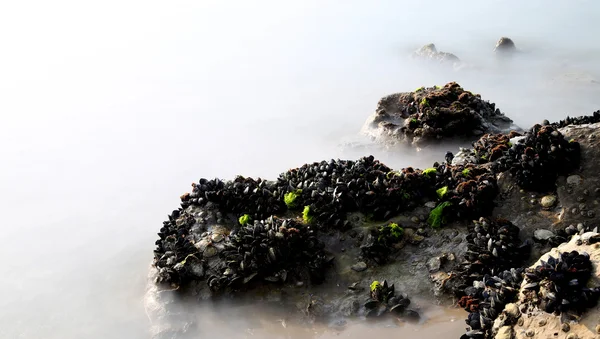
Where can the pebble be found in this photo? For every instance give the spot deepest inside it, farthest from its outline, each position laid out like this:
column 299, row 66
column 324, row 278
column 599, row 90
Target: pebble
column 542, row 235
column 572, row 336
column 580, row 227
column 533, row 201
column 591, row 214
column 415, row 219
column 530, row 333
column 574, row 180
column 430, row 204
column 434, row 264
column 218, row 237
column 512, row 310
column 520, row 322
column 359, row 266
column 571, row 230
column 580, row 199
column 542, row 322
column 417, row 239
column 565, row 327
column 548, row 201
column 574, row 210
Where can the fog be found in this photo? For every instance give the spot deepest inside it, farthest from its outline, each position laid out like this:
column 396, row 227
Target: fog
column 110, row 110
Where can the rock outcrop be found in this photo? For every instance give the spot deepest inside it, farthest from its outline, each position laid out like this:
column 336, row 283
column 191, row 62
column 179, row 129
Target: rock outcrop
column 332, row 230
column 436, row 113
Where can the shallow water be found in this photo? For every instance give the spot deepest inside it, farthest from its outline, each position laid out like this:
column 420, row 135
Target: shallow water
column 110, row 110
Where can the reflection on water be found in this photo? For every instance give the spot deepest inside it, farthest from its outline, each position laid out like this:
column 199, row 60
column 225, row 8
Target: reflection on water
column 111, row 109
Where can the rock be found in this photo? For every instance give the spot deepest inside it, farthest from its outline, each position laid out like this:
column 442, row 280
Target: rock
column 548, row 201
column 542, row 235
column 432, row 114
column 359, row 266
column 434, row 264
column 542, row 322
column 574, row 180
column 505, row 46
column 565, row 327
column 430, row 53
column 571, row 230
column 430, row 204
column 530, row 333
column 512, row 310
column 505, row 332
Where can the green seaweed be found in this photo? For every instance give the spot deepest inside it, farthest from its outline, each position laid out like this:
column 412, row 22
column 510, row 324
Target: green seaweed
column 466, row 172
column 430, row 171
column 572, row 140
column 441, row 192
column 419, row 89
column 391, row 232
column 290, row 198
column 424, row 102
column 244, row 219
column 436, row 216
column 375, row 285
column 437, row 87
column 307, row 215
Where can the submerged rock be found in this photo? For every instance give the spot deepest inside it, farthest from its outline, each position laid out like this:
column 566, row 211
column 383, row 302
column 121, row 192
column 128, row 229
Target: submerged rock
column 433, row 114
column 430, row 53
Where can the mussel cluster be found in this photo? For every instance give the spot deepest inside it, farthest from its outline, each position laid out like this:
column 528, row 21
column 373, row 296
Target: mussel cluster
column 447, row 112
column 486, row 299
column 274, row 250
column 560, row 284
column 468, row 190
column 333, row 188
column 256, row 197
column 493, row 246
column 581, row 120
column 536, row 159
column 173, row 247
column 383, row 300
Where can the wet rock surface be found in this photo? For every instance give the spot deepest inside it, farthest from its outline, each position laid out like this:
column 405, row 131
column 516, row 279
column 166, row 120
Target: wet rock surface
column 433, row 114
column 317, row 238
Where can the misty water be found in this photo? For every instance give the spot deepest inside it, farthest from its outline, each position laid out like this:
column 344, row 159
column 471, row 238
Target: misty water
column 110, row 110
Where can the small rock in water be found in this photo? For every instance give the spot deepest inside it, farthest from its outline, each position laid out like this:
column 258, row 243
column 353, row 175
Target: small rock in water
column 359, row 267
column 548, row 201
column 542, row 235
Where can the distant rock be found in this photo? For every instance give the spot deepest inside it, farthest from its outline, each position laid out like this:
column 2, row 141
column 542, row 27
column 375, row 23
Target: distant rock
column 505, row 46
column 430, row 53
